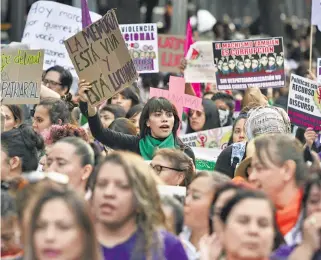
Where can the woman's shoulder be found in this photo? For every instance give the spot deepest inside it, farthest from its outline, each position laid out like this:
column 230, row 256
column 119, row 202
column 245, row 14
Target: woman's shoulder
column 172, row 246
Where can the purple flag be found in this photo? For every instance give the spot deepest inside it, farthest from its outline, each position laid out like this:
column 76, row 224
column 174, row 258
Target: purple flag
column 86, row 20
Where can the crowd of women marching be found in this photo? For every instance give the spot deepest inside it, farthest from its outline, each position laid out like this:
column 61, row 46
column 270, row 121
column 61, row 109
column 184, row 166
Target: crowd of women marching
column 84, row 183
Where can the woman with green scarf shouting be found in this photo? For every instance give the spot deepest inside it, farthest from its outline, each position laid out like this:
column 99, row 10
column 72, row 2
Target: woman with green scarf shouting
column 158, row 124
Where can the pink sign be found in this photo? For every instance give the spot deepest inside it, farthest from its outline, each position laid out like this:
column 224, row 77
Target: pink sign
column 176, row 94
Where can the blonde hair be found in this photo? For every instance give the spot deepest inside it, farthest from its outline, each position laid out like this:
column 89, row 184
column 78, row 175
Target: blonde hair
column 179, row 160
column 149, row 213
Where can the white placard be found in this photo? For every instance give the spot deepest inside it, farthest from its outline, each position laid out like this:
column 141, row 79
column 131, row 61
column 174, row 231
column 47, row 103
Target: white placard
column 48, row 25
column 200, row 66
column 142, row 43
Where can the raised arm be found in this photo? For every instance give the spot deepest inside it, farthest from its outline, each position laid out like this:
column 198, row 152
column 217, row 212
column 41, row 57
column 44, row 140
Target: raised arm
column 110, row 138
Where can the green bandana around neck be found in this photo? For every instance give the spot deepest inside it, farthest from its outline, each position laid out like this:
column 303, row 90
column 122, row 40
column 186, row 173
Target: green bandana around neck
column 148, row 145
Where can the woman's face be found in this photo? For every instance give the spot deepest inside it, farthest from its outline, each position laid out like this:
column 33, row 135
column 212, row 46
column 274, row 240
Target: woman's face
column 169, row 176
column 135, row 120
column 52, row 81
column 57, row 232
column 264, row 61
column 249, row 230
column 10, row 236
column 41, row 119
column 219, row 204
column 9, row 122
column 231, row 64
column 122, row 101
column 239, row 131
column 240, row 65
column 161, row 123
column 197, row 203
column 279, row 60
column 62, row 158
column 106, row 118
column 314, row 200
column 271, row 61
column 247, row 63
column 113, row 197
column 197, row 119
column 264, row 177
column 255, row 64
column 225, row 66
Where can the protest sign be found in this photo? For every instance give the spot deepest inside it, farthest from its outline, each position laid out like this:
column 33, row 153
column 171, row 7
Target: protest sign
column 48, row 25
column 200, row 66
column 171, row 52
column 141, row 40
column 213, row 138
column 319, row 70
column 205, row 158
column 176, row 94
column 167, row 190
column 100, row 56
column 249, row 63
column 304, row 103
column 21, row 72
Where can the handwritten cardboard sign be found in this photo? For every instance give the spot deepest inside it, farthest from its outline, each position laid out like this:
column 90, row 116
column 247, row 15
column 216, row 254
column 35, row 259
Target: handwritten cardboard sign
column 48, row 25
column 304, row 102
column 200, row 66
column 141, row 40
column 171, row 52
column 100, row 56
column 21, row 72
column 176, row 94
column 249, row 63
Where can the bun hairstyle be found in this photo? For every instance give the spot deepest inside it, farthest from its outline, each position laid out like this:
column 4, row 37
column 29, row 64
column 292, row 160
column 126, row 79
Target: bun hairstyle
column 24, row 143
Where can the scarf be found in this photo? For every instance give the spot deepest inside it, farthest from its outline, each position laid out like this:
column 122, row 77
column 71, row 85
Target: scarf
column 287, row 217
column 148, row 145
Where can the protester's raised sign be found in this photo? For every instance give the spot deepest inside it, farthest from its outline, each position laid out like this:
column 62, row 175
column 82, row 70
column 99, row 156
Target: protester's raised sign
column 171, row 52
column 176, row 94
column 200, row 66
column 100, row 56
column 21, row 72
column 304, row 103
column 141, row 40
column 249, row 63
column 48, row 25
column 213, row 138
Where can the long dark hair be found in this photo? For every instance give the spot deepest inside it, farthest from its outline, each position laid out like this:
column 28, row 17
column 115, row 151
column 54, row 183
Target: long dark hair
column 241, row 116
column 212, row 117
column 81, row 213
column 16, row 112
column 155, row 105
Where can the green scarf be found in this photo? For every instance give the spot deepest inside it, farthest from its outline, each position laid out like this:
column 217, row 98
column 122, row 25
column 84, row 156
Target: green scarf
column 148, row 145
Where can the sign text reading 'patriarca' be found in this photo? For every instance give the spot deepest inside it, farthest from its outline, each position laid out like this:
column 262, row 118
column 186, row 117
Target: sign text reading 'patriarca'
column 100, row 56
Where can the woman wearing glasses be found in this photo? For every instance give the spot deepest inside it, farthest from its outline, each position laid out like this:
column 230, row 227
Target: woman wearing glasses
column 207, row 119
column 173, row 167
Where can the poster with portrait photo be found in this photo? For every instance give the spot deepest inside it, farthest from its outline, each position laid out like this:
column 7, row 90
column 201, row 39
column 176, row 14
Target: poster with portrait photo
column 249, row 63
column 142, row 43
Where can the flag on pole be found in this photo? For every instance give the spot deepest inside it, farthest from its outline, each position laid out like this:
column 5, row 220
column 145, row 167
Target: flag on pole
column 188, row 42
column 85, row 15
column 316, row 13
column 86, row 21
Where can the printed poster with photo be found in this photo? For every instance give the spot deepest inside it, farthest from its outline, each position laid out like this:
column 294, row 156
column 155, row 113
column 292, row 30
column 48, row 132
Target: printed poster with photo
column 304, row 103
column 249, row 63
column 142, row 43
column 200, row 67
